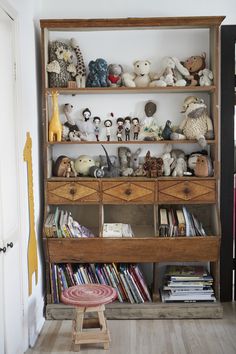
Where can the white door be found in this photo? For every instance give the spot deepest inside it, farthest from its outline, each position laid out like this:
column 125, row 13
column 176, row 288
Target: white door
column 11, row 304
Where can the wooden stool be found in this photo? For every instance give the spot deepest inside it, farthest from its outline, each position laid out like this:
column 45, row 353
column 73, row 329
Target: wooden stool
column 89, row 298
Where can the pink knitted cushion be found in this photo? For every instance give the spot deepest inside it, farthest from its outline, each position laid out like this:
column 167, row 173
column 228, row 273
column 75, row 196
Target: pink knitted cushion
column 88, row 295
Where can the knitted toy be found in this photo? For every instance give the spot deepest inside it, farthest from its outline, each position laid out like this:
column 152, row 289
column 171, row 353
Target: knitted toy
column 97, row 76
column 80, row 67
column 206, row 77
column 60, row 60
column 196, row 124
column 141, row 75
column 114, row 75
column 172, row 74
column 194, row 65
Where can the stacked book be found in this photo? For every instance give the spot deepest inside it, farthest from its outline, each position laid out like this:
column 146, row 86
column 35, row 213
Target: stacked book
column 187, row 284
column 179, row 222
column 117, row 230
column 128, row 280
column 62, row 224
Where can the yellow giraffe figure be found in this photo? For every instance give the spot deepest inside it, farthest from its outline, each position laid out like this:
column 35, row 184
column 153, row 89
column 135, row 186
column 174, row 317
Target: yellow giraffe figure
column 32, row 245
column 55, row 126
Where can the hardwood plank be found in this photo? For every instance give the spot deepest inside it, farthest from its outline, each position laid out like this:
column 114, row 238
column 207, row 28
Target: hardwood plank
column 208, row 336
column 154, row 249
column 132, row 22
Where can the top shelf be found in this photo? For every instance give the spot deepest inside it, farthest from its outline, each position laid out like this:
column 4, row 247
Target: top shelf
column 106, row 90
column 132, row 23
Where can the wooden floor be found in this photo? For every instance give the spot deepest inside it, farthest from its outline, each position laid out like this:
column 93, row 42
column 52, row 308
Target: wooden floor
column 149, row 336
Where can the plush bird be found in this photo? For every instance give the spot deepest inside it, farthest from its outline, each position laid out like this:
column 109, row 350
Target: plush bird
column 167, row 130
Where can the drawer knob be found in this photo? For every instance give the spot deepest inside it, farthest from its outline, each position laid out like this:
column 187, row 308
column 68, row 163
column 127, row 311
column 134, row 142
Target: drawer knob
column 186, row 190
column 72, row 191
column 128, row 191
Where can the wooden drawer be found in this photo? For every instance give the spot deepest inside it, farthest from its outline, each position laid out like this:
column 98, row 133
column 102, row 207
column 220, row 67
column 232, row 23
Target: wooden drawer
column 128, row 192
column 203, row 191
column 73, row 192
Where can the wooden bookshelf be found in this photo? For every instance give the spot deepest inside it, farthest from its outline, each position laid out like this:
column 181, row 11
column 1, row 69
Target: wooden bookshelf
column 135, row 192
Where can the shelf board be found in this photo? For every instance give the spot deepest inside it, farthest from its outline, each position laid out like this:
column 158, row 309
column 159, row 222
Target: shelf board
column 131, row 23
column 131, row 142
column 122, row 90
column 128, row 179
column 133, row 250
column 149, row 310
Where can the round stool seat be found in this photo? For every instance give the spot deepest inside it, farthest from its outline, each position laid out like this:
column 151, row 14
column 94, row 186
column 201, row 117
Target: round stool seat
column 88, row 295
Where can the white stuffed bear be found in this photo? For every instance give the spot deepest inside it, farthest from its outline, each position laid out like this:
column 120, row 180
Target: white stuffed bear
column 172, row 74
column 140, row 77
column 206, row 77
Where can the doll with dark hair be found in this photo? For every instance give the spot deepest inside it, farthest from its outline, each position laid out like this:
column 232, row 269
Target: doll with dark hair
column 120, row 128
column 127, row 126
column 97, row 122
column 136, row 128
column 108, row 124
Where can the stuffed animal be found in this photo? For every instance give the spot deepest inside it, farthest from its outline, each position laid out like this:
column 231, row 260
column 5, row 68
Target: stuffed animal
column 153, row 166
column 83, row 164
column 124, row 155
column 166, row 133
column 172, row 74
column 64, row 167
column 80, row 72
column 114, row 75
column 194, row 64
column 134, row 159
column 141, row 75
column 192, row 160
column 60, row 59
column 203, row 166
column 206, row 77
column 69, row 126
column 97, row 76
column 196, row 124
column 110, row 170
column 180, row 168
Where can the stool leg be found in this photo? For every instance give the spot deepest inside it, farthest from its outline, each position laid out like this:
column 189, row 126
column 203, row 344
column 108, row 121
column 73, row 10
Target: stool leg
column 103, row 326
column 78, row 326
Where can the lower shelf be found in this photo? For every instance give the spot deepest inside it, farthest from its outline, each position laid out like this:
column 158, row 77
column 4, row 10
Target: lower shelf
column 120, row 311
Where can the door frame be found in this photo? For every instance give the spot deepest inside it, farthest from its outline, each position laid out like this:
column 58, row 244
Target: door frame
column 228, row 41
column 13, row 14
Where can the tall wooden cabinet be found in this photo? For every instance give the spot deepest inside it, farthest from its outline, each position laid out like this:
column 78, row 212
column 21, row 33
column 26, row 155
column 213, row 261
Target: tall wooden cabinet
column 134, row 199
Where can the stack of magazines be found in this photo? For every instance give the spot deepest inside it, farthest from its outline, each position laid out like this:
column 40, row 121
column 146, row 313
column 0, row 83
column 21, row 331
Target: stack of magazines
column 187, row 284
column 127, row 279
column 62, row 224
column 117, row 230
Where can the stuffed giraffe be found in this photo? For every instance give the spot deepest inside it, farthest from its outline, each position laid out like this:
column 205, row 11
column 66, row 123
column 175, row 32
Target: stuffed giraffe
column 55, row 126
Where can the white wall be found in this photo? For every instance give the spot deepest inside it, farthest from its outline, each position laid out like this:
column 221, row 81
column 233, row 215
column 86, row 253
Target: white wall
column 28, row 121
column 134, row 8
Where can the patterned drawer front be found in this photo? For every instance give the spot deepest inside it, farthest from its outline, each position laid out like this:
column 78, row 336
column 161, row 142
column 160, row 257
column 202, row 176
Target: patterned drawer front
column 187, row 191
column 72, row 192
column 128, row 192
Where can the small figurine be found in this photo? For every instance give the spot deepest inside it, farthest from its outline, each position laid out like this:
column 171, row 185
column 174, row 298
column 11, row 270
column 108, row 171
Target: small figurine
column 86, row 126
column 64, row 167
column 167, row 130
column 127, row 126
column 108, row 124
column 150, row 130
column 87, row 114
column 136, row 128
column 120, row 128
column 97, row 122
